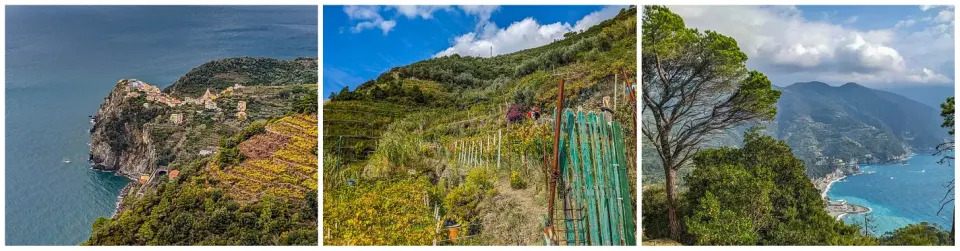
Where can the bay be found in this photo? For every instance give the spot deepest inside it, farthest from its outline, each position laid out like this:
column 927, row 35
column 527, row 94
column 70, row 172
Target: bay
column 899, row 194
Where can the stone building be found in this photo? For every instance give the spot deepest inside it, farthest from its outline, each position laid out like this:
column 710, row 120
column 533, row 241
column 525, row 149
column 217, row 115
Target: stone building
column 242, row 106
column 176, row 118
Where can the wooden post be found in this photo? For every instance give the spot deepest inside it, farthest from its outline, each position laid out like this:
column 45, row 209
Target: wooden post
column 436, row 216
column 486, row 149
column 615, row 84
column 556, row 155
column 499, row 141
column 523, row 160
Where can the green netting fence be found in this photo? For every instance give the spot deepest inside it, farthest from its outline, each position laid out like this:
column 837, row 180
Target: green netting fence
column 593, row 184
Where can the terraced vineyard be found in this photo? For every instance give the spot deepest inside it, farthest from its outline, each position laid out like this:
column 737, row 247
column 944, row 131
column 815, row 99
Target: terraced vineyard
column 288, row 170
column 458, row 144
column 359, row 123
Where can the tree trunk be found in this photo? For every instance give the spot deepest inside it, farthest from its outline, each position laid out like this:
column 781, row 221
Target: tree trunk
column 671, row 203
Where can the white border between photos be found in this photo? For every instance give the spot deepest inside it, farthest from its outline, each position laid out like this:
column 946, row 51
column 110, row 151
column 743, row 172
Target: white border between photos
column 320, row 77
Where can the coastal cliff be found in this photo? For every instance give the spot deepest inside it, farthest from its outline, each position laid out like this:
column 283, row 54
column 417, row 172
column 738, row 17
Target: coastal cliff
column 119, row 139
column 140, row 127
column 228, row 146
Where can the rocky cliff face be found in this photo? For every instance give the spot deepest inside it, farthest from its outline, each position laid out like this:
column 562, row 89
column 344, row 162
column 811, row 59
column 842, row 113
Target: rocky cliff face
column 119, row 139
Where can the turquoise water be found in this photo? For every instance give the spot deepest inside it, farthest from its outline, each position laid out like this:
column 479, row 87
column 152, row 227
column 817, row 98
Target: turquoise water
column 899, row 194
column 62, row 61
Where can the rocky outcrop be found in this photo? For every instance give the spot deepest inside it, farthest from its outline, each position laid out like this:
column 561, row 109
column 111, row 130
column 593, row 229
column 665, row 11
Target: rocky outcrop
column 119, row 139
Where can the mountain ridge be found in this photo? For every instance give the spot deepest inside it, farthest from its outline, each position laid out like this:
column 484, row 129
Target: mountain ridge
column 835, row 128
column 842, row 126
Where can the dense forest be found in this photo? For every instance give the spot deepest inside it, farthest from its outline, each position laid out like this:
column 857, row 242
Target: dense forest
column 392, row 145
column 755, row 193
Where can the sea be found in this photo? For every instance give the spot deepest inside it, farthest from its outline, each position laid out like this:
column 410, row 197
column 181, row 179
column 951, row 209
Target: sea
column 61, row 61
column 899, row 194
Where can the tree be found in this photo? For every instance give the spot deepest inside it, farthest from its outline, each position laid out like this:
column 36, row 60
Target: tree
column 943, row 149
column 306, row 103
column 344, row 92
column 868, row 225
column 694, row 85
column 758, row 195
column 922, row 234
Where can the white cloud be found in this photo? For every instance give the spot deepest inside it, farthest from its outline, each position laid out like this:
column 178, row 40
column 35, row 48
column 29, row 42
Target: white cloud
column 483, row 14
column 521, row 35
column 596, row 17
column 781, row 42
column 905, row 23
column 421, row 11
column 851, row 20
column 944, row 16
column 518, row 36
column 362, row 12
column 860, row 56
column 926, row 7
column 928, row 76
column 369, row 17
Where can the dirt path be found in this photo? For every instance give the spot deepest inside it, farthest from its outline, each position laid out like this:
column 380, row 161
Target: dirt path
column 513, row 216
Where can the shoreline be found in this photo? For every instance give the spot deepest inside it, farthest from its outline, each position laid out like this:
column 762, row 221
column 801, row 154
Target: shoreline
column 118, row 208
column 841, row 214
column 823, row 194
column 840, row 208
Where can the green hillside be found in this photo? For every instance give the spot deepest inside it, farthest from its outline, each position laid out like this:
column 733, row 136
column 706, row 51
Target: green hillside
column 392, row 146
column 838, row 127
column 248, row 71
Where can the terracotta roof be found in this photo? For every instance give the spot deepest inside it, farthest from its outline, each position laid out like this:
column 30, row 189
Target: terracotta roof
column 173, row 174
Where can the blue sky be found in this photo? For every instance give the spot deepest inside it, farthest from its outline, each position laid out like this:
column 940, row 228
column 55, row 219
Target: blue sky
column 361, row 42
column 886, row 47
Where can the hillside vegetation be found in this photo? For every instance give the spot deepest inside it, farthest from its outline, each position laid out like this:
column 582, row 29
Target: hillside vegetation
column 248, row 71
column 247, row 173
column 417, row 147
column 839, row 127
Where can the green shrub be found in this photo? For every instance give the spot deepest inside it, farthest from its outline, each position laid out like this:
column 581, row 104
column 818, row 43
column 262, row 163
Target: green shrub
column 655, row 222
column 516, row 181
column 461, row 204
column 922, row 234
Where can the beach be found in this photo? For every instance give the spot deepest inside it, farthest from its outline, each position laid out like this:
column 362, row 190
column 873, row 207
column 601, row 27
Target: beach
column 837, row 208
column 823, row 184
